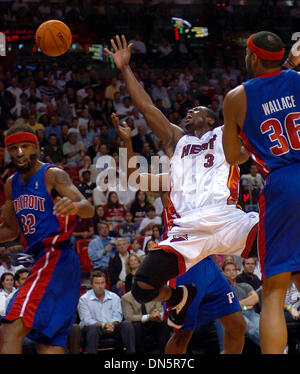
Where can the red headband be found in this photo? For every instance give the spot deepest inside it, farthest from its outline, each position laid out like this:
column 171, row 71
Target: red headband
column 262, row 53
column 19, row 138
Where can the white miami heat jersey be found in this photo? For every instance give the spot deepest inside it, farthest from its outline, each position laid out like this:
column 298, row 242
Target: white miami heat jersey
column 200, row 175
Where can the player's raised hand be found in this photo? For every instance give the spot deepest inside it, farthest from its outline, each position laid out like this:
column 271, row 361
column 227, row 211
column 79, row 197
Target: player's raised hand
column 124, row 131
column 122, row 51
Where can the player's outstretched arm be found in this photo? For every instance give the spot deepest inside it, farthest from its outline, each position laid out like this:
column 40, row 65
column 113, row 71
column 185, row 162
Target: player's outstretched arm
column 154, row 182
column 9, row 228
column 60, row 181
column 159, row 124
column 234, row 110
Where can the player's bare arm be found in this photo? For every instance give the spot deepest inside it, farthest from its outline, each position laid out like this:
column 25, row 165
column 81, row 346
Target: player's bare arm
column 58, row 180
column 293, row 59
column 233, row 122
column 155, row 182
column 159, row 124
column 9, row 228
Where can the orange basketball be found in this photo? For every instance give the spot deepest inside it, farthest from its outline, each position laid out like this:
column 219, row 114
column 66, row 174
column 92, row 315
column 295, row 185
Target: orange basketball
column 53, row 37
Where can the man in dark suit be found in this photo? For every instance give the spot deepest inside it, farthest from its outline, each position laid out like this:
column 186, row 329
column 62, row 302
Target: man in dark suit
column 140, row 138
column 117, row 267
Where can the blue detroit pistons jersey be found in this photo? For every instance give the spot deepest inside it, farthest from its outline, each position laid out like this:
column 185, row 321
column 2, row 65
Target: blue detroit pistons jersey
column 271, row 130
column 34, row 209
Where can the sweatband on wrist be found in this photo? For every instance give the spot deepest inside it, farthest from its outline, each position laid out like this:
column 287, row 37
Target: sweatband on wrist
column 288, row 307
column 20, row 137
column 245, row 307
column 262, row 53
column 103, row 325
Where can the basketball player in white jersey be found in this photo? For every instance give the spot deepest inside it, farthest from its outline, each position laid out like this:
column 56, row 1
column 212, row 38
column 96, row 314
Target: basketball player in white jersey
column 203, row 217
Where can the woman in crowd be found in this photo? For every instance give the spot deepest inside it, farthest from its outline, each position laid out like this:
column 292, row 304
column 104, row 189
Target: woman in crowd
column 7, row 287
column 133, row 262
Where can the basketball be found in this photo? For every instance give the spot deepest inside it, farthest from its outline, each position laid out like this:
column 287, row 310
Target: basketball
column 53, row 37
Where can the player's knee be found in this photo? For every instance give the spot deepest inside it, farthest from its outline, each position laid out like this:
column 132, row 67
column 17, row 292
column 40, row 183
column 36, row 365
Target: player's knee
column 143, row 294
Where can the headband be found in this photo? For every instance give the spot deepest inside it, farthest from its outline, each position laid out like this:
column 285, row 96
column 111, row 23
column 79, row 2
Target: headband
column 19, row 138
column 262, row 53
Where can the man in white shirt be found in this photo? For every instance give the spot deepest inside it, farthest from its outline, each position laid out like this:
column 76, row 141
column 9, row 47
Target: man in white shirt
column 14, row 89
column 150, row 220
column 101, row 315
column 126, row 109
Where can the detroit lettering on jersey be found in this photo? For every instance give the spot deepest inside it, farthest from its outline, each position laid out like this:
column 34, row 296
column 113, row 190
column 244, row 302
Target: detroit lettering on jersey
column 277, row 105
column 29, row 202
column 194, row 149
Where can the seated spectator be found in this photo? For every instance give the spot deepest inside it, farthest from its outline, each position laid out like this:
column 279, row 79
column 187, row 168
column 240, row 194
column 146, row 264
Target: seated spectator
column 53, row 127
column 138, row 47
column 136, row 248
column 292, row 303
column 112, row 88
column 101, row 248
column 252, row 183
column 101, row 316
column 247, row 275
column 114, row 211
column 126, row 109
column 7, row 288
column 86, row 187
column 34, row 125
column 7, row 261
column 94, row 148
column 128, row 228
column 117, row 268
column 139, row 140
column 53, row 152
column 155, row 235
column 147, row 223
column 99, row 216
column 147, row 320
column 148, row 246
column 84, row 136
column 84, row 229
column 248, row 298
column 133, row 262
column 74, row 150
column 139, row 205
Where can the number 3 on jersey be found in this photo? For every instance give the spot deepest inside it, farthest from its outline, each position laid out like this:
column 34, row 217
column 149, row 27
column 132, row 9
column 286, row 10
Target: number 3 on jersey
column 28, row 223
column 284, row 144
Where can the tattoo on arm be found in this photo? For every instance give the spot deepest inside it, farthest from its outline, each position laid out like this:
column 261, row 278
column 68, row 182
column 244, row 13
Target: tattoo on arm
column 62, row 178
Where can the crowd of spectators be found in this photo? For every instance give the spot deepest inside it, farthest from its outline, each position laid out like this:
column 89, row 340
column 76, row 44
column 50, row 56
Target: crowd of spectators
column 69, row 108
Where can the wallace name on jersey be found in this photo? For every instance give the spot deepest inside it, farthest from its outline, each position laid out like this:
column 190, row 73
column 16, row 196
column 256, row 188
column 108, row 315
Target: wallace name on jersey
column 279, row 104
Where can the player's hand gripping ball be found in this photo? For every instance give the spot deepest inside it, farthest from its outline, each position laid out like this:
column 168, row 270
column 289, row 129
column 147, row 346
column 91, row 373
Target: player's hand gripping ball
column 53, row 37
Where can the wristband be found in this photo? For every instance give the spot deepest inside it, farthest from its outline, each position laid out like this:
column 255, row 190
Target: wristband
column 76, row 208
column 103, row 325
column 245, row 307
column 290, row 62
column 148, row 317
column 288, row 307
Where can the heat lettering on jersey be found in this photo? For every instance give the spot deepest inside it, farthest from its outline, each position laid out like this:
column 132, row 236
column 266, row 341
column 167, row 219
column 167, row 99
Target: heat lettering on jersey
column 29, row 202
column 194, row 149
